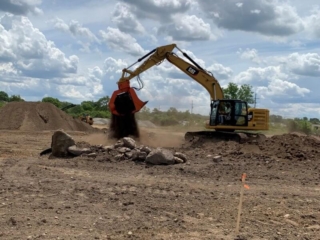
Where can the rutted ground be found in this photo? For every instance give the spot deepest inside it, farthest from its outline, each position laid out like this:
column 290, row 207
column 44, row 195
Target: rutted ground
column 83, row 198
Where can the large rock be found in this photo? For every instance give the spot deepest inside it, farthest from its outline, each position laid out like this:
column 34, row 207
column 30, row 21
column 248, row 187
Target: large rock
column 74, row 150
column 160, row 156
column 61, row 141
column 145, row 149
column 129, row 142
column 181, row 156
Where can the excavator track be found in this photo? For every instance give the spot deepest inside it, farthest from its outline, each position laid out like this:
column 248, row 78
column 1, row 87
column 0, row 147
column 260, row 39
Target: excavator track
column 240, row 137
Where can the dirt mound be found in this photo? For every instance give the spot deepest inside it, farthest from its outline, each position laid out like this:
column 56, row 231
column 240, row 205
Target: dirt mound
column 38, row 116
column 292, row 146
column 287, row 146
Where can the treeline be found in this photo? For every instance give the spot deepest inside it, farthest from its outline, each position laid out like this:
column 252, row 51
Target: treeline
column 96, row 109
column 305, row 125
column 171, row 116
column 4, row 98
column 93, row 108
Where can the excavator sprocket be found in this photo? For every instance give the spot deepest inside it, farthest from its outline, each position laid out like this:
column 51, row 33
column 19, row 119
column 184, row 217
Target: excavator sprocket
column 240, row 137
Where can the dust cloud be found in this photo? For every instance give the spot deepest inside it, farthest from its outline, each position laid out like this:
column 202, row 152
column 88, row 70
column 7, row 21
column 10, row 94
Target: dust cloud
column 99, row 138
column 158, row 138
column 154, row 138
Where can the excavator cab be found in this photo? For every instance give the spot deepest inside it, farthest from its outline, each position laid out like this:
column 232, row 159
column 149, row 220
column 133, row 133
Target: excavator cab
column 228, row 113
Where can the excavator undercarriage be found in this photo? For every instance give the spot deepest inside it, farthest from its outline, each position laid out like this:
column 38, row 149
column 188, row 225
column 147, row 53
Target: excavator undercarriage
column 240, row 137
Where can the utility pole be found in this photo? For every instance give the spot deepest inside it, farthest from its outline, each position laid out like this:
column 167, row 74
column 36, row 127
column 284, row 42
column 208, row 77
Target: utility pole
column 191, row 106
column 255, row 100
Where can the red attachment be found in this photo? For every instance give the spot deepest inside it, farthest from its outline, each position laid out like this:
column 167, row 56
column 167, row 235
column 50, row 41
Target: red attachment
column 131, row 103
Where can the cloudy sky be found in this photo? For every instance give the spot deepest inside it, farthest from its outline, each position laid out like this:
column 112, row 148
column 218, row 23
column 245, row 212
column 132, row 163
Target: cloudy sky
column 75, row 50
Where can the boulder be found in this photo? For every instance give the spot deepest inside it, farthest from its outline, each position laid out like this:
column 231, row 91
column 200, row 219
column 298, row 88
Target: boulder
column 60, row 143
column 145, row 149
column 142, row 155
column 178, row 160
column 129, row 142
column 217, row 158
column 160, row 156
column 181, row 156
column 123, row 150
column 74, row 150
column 108, row 148
column 118, row 144
column 92, row 155
column 135, row 155
column 129, row 154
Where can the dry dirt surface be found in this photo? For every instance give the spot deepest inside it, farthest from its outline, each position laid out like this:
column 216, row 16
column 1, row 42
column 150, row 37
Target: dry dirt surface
column 104, row 198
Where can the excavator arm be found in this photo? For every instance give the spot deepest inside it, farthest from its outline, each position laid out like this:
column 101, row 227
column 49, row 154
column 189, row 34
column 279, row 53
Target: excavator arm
column 124, row 101
column 206, row 79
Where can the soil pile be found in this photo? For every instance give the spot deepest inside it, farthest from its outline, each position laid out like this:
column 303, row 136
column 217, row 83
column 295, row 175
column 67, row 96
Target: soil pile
column 292, row 146
column 286, row 146
column 38, row 116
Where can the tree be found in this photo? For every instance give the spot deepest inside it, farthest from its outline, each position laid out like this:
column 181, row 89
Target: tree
column 4, row 96
column 15, row 98
column 244, row 92
column 87, row 105
column 276, row 118
column 102, row 103
column 314, row 120
column 52, row 100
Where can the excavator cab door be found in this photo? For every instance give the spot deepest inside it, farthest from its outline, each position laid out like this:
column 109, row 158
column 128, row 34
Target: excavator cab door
column 241, row 113
column 214, row 113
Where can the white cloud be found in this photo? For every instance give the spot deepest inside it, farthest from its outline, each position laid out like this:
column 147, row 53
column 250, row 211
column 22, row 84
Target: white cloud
column 304, row 64
column 74, row 28
column 312, row 22
column 20, row 7
column 161, row 11
column 112, row 65
column 30, row 52
column 270, row 18
column 126, row 21
column 256, row 75
column 220, row 72
column 120, row 41
column 249, row 54
column 280, row 88
column 187, row 28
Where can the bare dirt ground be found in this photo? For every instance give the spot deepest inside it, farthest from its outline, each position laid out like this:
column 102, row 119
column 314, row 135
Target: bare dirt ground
column 81, row 198
column 86, row 198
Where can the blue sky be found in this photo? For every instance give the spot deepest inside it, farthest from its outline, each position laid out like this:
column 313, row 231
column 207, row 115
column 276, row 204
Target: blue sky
column 75, row 50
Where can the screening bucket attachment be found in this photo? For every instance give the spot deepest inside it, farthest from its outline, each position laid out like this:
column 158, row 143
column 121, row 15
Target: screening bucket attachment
column 124, row 103
column 125, row 100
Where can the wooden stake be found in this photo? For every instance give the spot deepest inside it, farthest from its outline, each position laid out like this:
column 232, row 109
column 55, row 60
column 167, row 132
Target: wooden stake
column 243, row 179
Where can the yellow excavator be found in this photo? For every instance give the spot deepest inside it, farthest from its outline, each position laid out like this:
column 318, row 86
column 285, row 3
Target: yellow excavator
column 86, row 118
column 230, row 119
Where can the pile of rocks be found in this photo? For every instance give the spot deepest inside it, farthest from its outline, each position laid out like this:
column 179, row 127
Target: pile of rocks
column 125, row 149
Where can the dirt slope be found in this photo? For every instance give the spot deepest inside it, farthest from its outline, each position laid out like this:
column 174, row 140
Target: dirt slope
column 38, row 116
